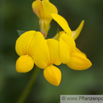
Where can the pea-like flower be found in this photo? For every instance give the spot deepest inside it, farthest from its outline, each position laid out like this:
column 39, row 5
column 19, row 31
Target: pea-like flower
column 78, row 60
column 43, row 9
column 46, row 54
column 25, row 47
column 32, row 48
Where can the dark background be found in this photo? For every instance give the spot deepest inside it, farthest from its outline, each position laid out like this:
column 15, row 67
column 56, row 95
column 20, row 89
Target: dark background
column 18, row 15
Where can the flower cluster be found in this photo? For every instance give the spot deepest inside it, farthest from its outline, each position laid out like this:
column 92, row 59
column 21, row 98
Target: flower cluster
column 33, row 48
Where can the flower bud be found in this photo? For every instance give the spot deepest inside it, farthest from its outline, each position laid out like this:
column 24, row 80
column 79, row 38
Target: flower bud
column 43, row 9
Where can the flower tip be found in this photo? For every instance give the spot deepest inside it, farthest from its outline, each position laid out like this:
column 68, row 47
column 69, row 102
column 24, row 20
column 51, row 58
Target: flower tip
column 53, row 75
column 82, row 21
column 24, row 64
column 56, row 84
column 81, row 24
column 76, row 33
column 89, row 63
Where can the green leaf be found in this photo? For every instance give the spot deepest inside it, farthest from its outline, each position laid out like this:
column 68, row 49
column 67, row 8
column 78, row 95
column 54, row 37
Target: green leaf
column 20, row 32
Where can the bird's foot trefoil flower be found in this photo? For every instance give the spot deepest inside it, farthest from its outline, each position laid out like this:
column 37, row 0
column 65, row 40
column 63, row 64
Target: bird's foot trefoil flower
column 33, row 48
column 25, row 47
column 78, row 60
column 46, row 54
column 43, row 9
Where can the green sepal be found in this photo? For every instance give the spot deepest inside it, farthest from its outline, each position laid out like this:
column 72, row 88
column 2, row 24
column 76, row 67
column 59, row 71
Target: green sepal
column 20, row 32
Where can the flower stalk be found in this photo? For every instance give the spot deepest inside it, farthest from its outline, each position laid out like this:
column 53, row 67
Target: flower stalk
column 29, row 86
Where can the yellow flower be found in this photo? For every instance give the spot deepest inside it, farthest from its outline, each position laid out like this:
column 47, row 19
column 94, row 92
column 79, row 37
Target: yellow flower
column 46, row 54
column 25, row 47
column 64, row 24
column 43, row 9
column 77, row 60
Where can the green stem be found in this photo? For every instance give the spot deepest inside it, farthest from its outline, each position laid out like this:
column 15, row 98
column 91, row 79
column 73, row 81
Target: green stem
column 29, row 86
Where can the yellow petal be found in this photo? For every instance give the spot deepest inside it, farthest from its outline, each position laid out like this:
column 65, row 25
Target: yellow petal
column 27, row 42
column 21, row 43
column 53, row 75
column 24, row 64
column 78, row 51
column 53, row 46
column 42, row 55
column 47, row 53
column 48, row 9
column 62, row 22
column 76, row 33
column 38, row 8
column 69, row 41
column 38, row 37
column 45, row 0
column 64, row 51
column 43, row 9
column 78, row 61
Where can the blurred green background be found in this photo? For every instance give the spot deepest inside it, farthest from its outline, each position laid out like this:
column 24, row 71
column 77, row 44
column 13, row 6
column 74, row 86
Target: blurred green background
column 18, row 15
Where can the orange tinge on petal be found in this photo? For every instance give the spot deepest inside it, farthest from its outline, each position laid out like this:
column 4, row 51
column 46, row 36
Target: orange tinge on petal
column 43, row 9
